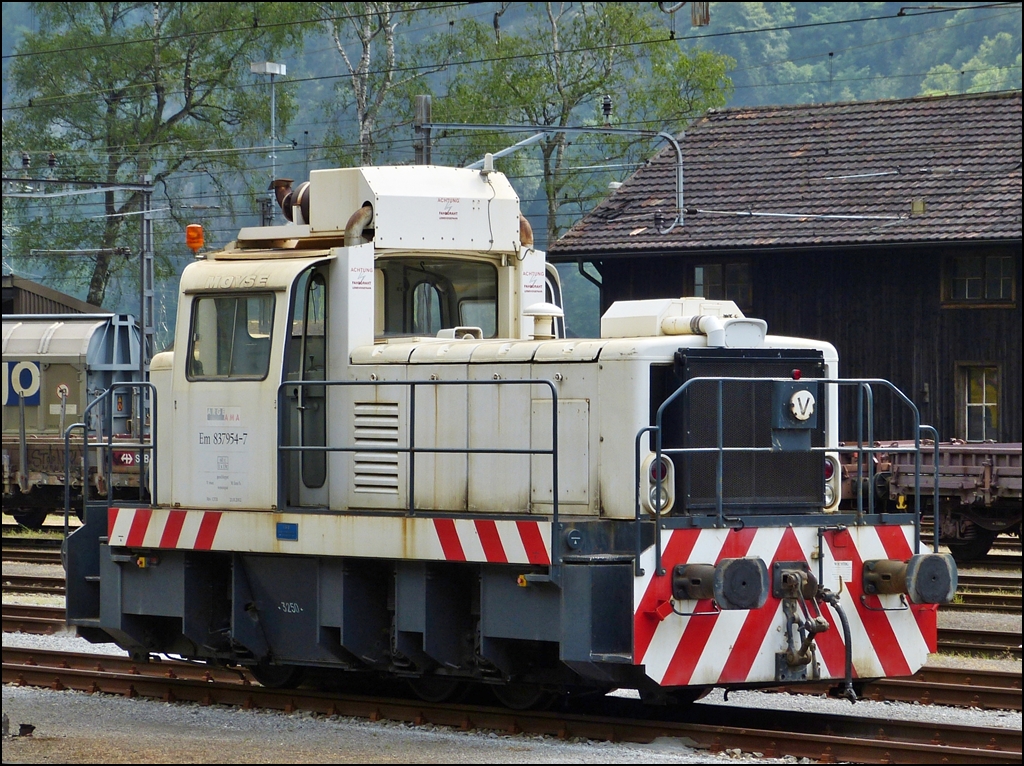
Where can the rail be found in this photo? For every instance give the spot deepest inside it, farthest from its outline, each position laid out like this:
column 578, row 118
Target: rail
column 864, row 449
column 108, row 446
column 411, row 448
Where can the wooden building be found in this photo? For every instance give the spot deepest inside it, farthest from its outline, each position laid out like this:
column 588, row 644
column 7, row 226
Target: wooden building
column 23, row 296
column 891, row 229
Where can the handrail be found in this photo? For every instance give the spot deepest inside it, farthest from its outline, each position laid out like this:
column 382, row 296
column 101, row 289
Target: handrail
column 109, row 446
column 637, row 569
column 865, row 401
column 411, row 449
column 935, row 489
column 67, row 473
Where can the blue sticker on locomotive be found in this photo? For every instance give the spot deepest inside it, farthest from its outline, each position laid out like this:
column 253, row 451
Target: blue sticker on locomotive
column 286, row 531
column 21, row 379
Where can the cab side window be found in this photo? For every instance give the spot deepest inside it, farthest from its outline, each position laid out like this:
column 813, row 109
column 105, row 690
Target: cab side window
column 421, row 296
column 230, row 337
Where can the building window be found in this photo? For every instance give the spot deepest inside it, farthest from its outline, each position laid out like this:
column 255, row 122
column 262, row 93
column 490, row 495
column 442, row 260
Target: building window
column 980, row 279
column 979, row 400
column 724, row 281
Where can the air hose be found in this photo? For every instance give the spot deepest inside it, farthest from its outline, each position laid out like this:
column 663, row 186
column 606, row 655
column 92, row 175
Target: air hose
column 832, row 599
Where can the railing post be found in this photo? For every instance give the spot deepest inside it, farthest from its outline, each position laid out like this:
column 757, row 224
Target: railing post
column 67, row 475
column 412, row 446
column 637, row 569
column 556, row 559
column 720, row 467
column 860, row 454
column 935, row 490
column 870, row 397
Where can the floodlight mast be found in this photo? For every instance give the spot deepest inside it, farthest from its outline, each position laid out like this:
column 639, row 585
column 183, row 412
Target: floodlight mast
column 272, row 69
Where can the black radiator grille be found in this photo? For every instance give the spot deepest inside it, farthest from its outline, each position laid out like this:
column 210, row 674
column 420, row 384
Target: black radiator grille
column 756, row 482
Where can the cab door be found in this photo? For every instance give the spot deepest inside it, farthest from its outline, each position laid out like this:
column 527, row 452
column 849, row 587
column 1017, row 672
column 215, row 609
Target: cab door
column 306, row 413
column 224, row 441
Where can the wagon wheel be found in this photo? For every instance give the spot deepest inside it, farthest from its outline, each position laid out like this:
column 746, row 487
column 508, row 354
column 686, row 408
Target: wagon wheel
column 31, row 519
column 523, row 696
column 966, row 551
column 278, row 676
column 437, row 688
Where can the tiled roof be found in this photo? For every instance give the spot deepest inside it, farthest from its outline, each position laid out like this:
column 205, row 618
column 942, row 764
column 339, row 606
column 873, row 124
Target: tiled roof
column 830, row 174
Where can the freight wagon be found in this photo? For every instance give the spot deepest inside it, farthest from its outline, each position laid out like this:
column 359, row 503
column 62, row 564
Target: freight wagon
column 54, row 366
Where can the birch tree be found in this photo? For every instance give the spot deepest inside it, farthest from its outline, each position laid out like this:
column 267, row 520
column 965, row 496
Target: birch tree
column 551, row 65
column 379, row 71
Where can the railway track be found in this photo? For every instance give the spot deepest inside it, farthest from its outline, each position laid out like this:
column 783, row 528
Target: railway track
column 711, row 726
column 983, row 642
column 936, row 685
column 31, row 550
column 38, row 584
column 37, row 620
column 932, row 685
column 985, row 602
column 32, row 556
column 999, row 561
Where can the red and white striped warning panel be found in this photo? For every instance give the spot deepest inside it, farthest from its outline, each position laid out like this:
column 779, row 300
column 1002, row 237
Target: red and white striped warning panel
column 479, row 540
column 740, row 646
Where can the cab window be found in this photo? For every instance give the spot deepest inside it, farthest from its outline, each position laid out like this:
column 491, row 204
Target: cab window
column 422, row 296
column 230, row 336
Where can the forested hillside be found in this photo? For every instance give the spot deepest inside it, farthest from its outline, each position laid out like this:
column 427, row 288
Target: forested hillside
column 821, row 52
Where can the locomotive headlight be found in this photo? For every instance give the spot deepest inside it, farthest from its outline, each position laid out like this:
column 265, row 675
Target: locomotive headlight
column 831, row 481
column 658, row 491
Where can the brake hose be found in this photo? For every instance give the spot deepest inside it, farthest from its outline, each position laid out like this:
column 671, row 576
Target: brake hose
column 832, row 599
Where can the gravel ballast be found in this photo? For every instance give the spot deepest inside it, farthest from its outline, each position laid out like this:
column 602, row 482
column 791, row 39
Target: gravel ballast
column 73, row 727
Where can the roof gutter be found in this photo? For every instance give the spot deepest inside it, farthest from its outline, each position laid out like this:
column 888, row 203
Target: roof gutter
column 661, row 252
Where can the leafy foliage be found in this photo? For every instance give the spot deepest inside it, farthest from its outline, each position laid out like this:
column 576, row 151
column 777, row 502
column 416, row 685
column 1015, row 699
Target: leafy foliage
column 380, row 74
column 553, row 69
column 121, row 91
column 796, row 53
column 116, row 90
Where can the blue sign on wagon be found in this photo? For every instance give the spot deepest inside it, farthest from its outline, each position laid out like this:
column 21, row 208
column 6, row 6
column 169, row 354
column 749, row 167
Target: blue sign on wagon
column 21, row 379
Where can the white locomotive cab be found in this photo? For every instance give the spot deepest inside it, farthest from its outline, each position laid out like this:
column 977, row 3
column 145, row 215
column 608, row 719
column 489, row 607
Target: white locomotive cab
column 388, row 282
column 226, row 371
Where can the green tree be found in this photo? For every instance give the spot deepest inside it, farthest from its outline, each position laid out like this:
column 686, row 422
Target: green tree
column 942, row 79
column 996, row 65
column 380, row 75
column 119, row 91
column 551, row 67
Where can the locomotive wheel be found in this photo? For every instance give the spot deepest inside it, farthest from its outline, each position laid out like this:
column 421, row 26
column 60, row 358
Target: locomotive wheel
column 523, row 696
column 437, row 688
column 967, row 551
column 278, row 676
column 32, row 519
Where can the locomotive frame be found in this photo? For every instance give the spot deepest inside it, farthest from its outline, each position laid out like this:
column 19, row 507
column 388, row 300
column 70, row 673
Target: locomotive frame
column 354, row 477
